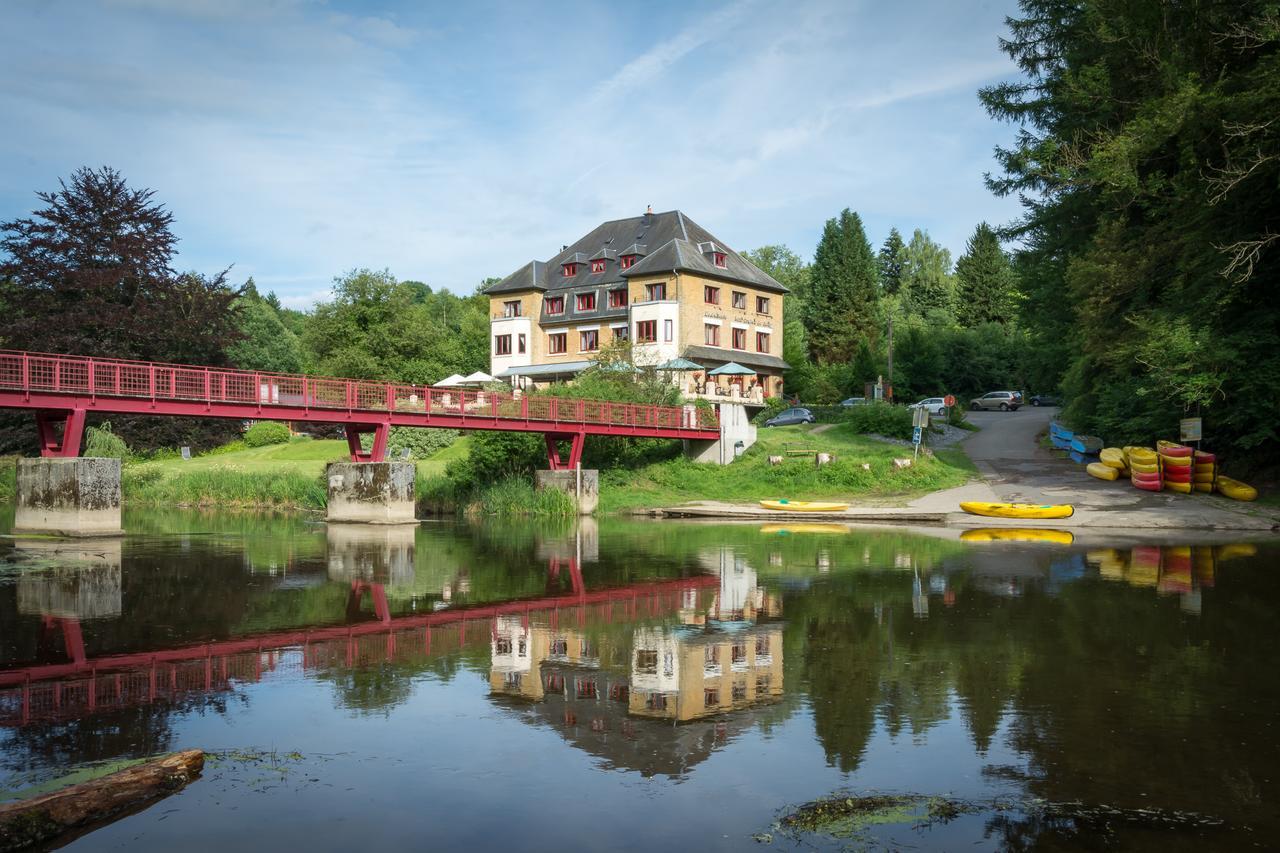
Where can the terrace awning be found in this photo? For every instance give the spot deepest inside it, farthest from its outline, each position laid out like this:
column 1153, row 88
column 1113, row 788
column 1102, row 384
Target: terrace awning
column 679, row 364
column 732, row 369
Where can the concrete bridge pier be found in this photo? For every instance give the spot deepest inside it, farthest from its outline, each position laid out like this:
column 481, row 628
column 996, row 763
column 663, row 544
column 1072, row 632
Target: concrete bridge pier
column 735, row 429
column 68, row 496
column 567, row 474
column 371, row 492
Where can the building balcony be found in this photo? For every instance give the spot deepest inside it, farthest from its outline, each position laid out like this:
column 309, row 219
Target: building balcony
column 750, row 396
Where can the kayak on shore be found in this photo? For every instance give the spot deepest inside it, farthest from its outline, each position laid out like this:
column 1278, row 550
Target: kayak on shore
column 1011, row 510
column 785, row 505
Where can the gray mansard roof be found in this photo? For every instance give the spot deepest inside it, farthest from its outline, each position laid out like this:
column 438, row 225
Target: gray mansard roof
column 665, row 242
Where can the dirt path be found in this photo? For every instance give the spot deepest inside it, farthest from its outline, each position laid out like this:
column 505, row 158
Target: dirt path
column 1015, row 468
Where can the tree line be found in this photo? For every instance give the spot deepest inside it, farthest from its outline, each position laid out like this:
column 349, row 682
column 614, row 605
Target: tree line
column 904, row 313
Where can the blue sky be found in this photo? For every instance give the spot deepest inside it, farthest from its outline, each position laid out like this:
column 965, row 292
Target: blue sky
column 297, row 139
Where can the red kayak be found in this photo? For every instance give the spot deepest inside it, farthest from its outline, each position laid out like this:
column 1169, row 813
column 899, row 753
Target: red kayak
column 1143, row 477
column 1148, row 486
column 1178, row 475
column 1202, row 457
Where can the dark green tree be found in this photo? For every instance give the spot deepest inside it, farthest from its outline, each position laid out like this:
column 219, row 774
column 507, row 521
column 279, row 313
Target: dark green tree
column 841, row 311
column 890, row 260
column 1149, row 171
column 986, row 286
column 267, row 344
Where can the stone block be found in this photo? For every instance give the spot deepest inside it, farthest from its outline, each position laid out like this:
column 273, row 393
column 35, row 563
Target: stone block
column 587, row 498
column 72, row 496
column 371, row 492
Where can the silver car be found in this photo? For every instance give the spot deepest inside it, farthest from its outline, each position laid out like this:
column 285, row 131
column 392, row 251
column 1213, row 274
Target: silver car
column 1005, row 401
column 933, row 405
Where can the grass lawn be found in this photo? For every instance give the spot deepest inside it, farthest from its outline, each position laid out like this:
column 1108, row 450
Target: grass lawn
column 752, row 478
column 278, row 475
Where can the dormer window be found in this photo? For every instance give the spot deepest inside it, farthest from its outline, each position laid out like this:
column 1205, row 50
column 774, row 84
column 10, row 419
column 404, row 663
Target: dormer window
column 627, row 261
column 717, row 258
column 554, row 304
column 597, row 266
column 568, row 270
column 586, row 302
column 618, row 298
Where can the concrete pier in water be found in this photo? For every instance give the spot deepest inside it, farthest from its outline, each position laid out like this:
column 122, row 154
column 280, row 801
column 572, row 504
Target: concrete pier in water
column 583, row 486
column 371, row 492
column 68, row 496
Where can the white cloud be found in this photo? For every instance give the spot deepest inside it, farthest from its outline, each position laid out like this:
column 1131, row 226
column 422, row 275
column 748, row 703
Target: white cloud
column 298, row 143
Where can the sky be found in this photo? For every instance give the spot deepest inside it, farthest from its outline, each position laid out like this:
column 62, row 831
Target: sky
column 295, row 140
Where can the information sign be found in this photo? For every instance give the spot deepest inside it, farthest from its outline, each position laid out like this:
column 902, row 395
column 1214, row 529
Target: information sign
column 1190, row 429
column 915, row 435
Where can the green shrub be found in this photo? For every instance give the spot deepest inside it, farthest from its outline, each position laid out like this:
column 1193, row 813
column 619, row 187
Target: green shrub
column 264, row 433
column 421, row 442
column 230, row 447
column 101, row 441
column 880, row 419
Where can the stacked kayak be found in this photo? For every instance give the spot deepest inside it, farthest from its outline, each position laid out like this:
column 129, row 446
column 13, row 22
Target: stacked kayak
column 1086, row 445
column 1144, row 469
column 1112, row 464
column 1204, row 467
column 1175, row 466
column 1060, row 436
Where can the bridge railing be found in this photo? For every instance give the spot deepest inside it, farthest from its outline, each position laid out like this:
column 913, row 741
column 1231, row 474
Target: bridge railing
column 80, row 375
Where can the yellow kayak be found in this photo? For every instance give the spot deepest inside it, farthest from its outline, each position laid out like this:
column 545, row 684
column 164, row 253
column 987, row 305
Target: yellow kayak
column 1235, row 489
column 1231, row 552
column 811, row 527
column 1112, row 457
column 1180, row 488
column 1003, row 510
column 1102, row 471
column 1142, row 456
column 803, row 506
column 1197, row 477
column 1203, row 487
column 1145, row 467
column 1017, row 534
column 1175, row 461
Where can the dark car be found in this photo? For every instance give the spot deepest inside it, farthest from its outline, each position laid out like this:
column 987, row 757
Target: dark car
column 1046, row 400
column 787, row 417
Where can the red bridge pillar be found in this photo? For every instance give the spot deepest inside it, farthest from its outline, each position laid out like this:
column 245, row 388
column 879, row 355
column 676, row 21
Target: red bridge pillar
column 576, row 440
column 72, row 422
column 379, row 451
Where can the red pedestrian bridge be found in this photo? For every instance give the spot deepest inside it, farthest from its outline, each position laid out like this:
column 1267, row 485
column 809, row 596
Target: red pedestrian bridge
column 63, row 389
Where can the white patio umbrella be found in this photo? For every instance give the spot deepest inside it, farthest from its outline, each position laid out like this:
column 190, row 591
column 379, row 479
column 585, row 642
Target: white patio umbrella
column 478, row 378
column 450, row 381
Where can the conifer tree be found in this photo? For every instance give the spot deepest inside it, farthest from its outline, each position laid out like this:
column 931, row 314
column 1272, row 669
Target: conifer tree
column 840, row 312
column 986, row 285
column 890, row 261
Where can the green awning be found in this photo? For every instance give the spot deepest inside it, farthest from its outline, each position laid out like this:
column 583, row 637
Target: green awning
column 679, row 364
column 732, row 369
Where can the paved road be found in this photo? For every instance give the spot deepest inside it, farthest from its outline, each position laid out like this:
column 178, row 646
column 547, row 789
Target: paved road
column 1015, row 468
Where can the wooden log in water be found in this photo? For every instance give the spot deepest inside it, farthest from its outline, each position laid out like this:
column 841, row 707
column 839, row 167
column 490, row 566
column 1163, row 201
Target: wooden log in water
column 42, row 819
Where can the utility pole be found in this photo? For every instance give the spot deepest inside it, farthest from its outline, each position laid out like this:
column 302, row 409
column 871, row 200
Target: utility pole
column 891, row 347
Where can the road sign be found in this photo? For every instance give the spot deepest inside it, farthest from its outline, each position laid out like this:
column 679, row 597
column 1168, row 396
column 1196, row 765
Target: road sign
column 920, row 417
column 949, row 401
column 1189, row 429
column 915, row 435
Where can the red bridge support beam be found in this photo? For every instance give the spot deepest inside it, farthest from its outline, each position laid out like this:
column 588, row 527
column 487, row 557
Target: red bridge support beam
column 576, row 441
column 379, row 451
column 72, row 423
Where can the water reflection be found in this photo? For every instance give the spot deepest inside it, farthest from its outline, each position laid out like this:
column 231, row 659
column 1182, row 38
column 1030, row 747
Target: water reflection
column 800, row 660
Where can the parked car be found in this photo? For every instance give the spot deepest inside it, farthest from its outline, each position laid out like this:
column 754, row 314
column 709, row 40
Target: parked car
column 854, row 401
column 787, row 417
column 1046, row 400
column 934, row 405
column 1005, row 401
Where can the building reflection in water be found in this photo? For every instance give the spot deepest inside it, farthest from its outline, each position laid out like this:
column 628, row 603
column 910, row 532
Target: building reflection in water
column 720, row 658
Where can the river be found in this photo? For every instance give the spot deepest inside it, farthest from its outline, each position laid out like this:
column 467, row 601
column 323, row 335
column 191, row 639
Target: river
column 626, row 685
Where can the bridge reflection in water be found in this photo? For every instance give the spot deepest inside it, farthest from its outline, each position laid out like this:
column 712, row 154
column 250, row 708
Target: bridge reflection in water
column 615, row 660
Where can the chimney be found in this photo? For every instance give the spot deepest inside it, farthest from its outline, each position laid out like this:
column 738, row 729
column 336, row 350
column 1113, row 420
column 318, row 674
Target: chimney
column 648, row 211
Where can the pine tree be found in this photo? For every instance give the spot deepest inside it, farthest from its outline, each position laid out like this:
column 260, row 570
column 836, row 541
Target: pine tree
column 840, row 312
column 890, row 261
column 986, row 285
